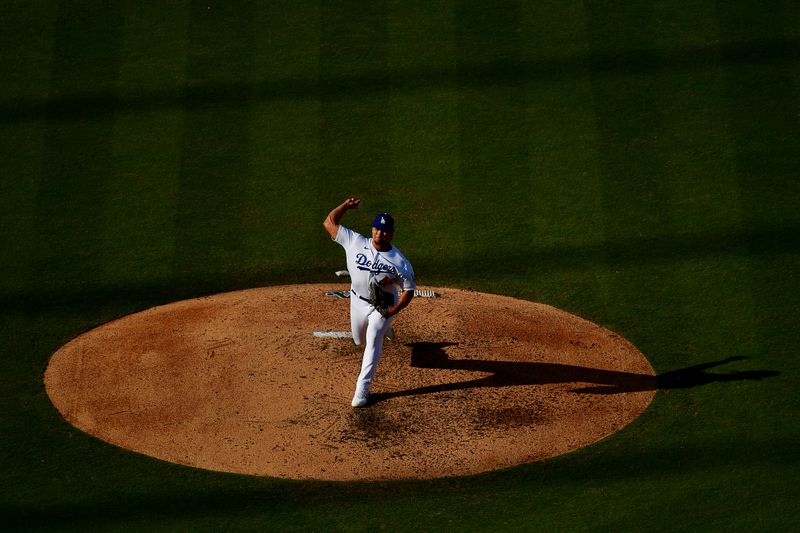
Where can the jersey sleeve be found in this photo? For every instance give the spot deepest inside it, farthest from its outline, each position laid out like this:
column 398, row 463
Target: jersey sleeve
column 345, row 236
column 407, row 280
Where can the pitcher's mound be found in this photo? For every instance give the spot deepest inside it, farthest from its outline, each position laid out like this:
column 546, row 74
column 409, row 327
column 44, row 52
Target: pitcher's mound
column 237, row 382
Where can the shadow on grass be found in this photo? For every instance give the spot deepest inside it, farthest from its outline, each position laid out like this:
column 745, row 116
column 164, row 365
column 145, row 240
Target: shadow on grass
column 176, row 502
column 194, row 499
column 199, row 96
column 511, row 373
column 635, row 250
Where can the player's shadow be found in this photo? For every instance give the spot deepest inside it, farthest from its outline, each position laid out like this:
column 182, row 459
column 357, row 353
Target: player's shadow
column 586, row 380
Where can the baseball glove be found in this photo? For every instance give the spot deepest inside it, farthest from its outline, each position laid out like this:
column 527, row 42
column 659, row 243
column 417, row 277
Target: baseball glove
column 380, row 299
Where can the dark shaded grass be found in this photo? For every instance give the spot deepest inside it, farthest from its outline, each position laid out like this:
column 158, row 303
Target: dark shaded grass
column 770, row 50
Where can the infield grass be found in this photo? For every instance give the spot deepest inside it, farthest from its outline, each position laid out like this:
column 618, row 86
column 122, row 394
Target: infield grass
column 635, row 164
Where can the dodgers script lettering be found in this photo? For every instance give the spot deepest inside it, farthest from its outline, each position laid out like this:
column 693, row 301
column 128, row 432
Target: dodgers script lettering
column 364, row 263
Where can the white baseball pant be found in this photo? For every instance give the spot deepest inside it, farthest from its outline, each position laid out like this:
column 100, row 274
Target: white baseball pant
column 368, row 326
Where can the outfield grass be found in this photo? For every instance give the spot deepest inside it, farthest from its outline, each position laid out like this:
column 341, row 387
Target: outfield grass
column 634, row 164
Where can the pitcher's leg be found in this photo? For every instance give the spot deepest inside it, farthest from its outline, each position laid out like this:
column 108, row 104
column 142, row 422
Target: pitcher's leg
column 359, row 313
column 376, row 329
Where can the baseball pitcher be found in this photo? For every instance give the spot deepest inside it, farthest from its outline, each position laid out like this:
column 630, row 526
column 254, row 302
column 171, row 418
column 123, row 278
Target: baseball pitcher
column 377, row 269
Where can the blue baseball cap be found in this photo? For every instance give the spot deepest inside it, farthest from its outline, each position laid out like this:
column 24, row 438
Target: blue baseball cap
column 383, row 221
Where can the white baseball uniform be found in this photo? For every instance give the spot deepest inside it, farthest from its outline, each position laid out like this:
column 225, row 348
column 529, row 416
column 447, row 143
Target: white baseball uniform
column 365, row 264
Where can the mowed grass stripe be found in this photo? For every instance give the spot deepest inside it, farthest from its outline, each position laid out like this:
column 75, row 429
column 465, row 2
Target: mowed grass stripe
column 215, row 162
column 77, row 153
column 353, row 100
column 354, row 124
column 139, row 212
column 566, row 197
column 633, row 173
column 286, row 223
column 423, row 138
column 30, row 34
column 704, row 197
column 707, row 263
column 493, row 135
column 765, row 122
column 764, row 109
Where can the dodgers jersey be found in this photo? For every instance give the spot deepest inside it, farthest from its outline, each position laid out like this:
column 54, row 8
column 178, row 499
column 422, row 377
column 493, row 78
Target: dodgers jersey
column 364, row 262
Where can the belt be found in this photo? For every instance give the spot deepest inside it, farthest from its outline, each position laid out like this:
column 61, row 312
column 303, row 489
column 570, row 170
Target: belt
column 354, row 292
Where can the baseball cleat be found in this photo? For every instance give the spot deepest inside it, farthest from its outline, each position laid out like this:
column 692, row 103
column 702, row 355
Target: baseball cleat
column 390, row 334
column 360, row 399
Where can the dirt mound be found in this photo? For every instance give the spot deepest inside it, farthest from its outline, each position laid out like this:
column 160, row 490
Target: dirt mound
column 237, row 382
